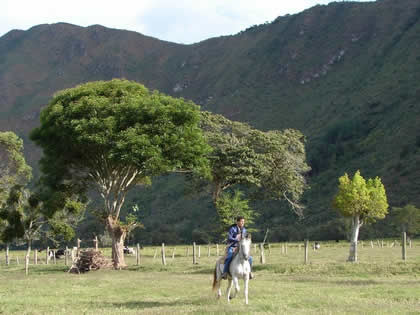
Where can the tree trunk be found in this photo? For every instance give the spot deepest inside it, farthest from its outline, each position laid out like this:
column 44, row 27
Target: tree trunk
column 355, row 226
column 118, row 235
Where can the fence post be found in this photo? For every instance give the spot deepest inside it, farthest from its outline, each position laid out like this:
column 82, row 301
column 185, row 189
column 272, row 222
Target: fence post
column 138, row 255
column 282, row 249
column 27, row 264
column 199, row 251
column 404, row 246
column 371, row 243
column 173, row 253
column 36, row 257
column 163, row 255
column 66, row 256
column 154, row 256
column 262, row 257
column 286, row 249
column 7, row 255
column 208, row 251
column 54, row 258
column 78, row 247
column 194, row 258
column 306, row 250
column 47, row 255
column 217, row 249
column 95, row 242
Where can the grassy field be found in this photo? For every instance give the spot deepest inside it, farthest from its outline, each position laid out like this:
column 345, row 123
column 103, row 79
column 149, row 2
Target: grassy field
column 380, row 283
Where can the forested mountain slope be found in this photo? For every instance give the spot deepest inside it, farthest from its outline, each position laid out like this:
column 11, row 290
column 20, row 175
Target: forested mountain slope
column 346, row 75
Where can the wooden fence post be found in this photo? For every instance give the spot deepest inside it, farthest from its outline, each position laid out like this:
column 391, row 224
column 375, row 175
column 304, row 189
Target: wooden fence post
column 194, row 258
column 371, row 244
column 154, row 256
column 286, row 249
column 163, row 255
column 95, row 242
column 262, row 257
column 173, row 253
column 306, row 250
column 7, row 255
column 138, row 255
column 66, row 256
column 36, row 257
column 404, row 245
column 199, row 251
column 282, row 249
column 78, row 247
column 54, row 258
column 27, row 264
column 217, row 249
column 208, row 251
column 47, row 255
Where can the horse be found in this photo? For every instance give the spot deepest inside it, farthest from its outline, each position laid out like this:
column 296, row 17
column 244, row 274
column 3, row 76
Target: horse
column 239, row 268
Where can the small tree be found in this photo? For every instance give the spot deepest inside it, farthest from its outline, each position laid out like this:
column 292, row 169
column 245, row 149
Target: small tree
column 230, row 206
column 407, row 219
column 13, row 169
column 363, row 201
column 114, row 135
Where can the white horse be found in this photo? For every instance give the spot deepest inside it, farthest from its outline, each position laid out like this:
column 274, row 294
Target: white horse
column 239, row 268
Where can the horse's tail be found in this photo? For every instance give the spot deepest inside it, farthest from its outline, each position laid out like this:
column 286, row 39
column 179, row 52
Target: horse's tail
column 214, row 278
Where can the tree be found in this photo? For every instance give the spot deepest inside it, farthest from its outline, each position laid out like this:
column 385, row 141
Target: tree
column 230, row 206
column 363, row 201
column 13, row 168
column 273, row 161
column 112, row 136
column 407, row 218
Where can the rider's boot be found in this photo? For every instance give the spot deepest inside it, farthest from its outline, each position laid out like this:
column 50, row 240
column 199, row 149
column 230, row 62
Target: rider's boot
column 224, row 275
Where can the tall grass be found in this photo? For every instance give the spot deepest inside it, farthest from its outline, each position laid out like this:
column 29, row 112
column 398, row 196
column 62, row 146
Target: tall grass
column 380, row 283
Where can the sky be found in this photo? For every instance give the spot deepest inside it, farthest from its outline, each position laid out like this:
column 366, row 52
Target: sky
column 180, row 21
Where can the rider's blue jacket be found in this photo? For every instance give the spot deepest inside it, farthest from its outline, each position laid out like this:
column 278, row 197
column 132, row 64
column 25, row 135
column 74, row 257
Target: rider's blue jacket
column 234, row 230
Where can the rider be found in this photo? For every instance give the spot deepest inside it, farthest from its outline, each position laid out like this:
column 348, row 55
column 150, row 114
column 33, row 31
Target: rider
column 235, row 233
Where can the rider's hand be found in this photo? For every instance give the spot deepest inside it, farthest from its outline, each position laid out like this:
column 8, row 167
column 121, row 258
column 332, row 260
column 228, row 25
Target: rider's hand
column 238, row 237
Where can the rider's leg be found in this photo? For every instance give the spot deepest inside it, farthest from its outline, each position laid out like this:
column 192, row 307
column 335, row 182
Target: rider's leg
column 228, row 260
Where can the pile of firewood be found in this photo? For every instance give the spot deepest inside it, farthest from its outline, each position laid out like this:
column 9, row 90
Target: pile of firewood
column 90, row 259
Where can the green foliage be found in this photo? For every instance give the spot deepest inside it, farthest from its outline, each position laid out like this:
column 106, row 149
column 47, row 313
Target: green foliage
column 272, row 160
column 407, row 218
column 230, row 206
column 114, row 135
column 357, row 197
column 13, row 168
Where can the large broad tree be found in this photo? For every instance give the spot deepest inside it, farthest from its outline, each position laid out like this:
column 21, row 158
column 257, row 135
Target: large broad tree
column 112, row 136
column 363, row 201
column 274, row 162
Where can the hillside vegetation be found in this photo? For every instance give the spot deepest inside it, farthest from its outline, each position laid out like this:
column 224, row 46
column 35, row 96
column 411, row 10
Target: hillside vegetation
column 346, row 75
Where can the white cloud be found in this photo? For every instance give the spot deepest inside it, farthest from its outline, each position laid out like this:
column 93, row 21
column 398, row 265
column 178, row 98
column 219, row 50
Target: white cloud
column 183, row 21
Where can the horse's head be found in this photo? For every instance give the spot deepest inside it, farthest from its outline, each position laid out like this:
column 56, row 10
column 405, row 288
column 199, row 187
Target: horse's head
column 245, row 246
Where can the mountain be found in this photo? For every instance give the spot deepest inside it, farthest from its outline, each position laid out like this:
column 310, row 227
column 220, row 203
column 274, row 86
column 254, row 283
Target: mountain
column 346, row 74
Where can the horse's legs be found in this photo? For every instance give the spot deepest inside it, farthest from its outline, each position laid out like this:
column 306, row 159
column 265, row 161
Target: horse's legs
column 236, row 283
column 246, row 280
column 219, row 292
column 229, row 288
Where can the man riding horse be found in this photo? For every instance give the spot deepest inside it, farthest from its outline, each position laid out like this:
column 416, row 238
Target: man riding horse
column 235, row 234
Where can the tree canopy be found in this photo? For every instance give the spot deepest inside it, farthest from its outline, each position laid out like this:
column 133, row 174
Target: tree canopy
column 112, row 135
column 273, row 161
column 366, row 199
column 13, row 168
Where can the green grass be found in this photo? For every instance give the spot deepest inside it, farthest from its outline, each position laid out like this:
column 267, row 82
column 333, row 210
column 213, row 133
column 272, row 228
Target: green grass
column 380, row 283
